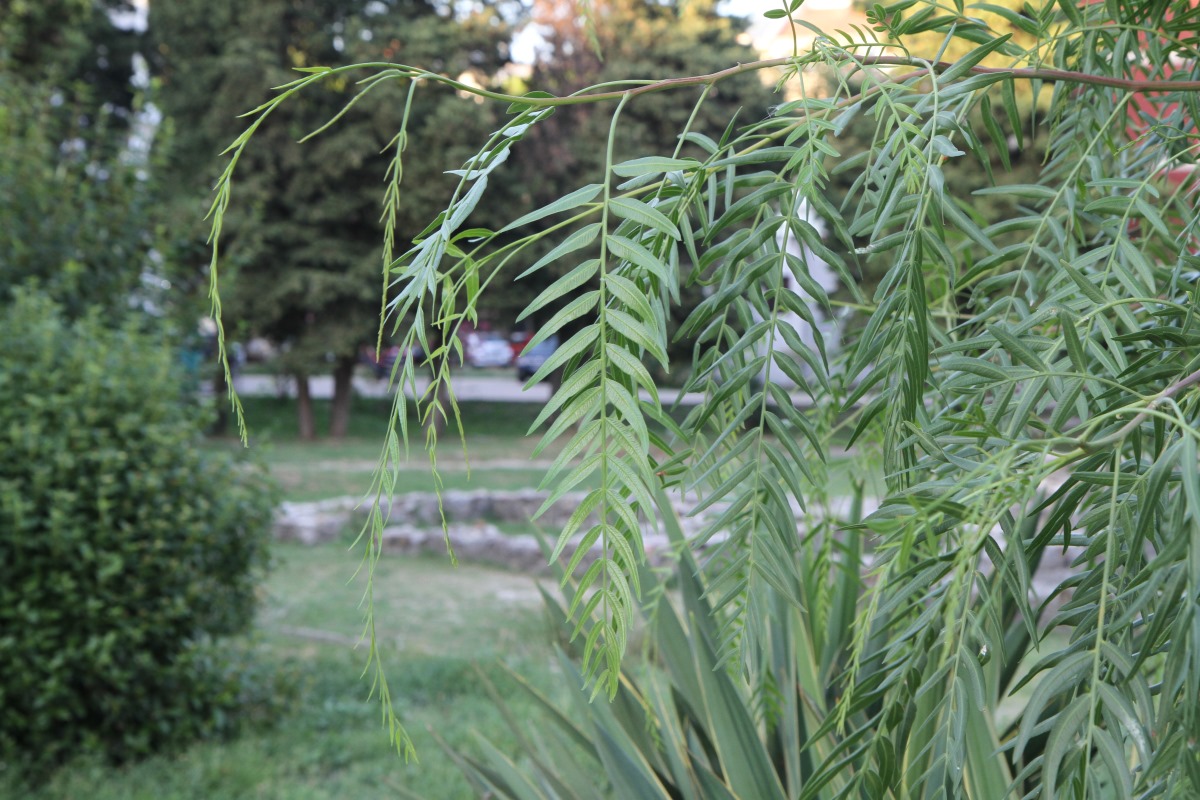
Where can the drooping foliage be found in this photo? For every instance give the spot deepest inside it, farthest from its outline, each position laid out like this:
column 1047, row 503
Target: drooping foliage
column 636, row 40
column 1029, row 383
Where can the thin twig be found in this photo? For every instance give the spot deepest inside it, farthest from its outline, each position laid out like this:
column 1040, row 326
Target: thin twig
column 1140, row 417
column 923, row 68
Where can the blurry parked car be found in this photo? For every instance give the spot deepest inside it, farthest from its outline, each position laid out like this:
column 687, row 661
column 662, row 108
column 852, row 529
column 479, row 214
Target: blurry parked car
column 382, row 365
column 488, row 350
column 260, row 349
column 531, row 361
column 517, row 341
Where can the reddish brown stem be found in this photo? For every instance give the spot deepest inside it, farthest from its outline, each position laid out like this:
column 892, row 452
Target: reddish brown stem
column 1048, row 75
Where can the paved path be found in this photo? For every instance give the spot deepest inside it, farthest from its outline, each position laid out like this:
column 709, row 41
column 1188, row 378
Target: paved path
column 466, row 387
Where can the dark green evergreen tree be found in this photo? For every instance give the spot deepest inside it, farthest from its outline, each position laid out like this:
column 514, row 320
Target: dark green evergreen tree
column 303, row 256
column 630, row 40
column 74, row 199
column 76, row 48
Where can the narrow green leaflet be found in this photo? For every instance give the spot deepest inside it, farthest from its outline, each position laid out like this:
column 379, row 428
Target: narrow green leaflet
column 576, row 199
column 637, row 255
column 932, row 316
column 652, row 165
column 643, row 214
column 575, row 241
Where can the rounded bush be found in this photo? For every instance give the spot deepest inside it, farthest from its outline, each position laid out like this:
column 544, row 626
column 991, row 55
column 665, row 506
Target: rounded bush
column 124, row 547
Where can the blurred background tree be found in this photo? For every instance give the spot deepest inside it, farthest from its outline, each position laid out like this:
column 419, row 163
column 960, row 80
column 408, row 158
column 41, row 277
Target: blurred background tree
column 75, row 47
column 76, row 197
column 630, row 40
column 302, row 260
column 1027, row 131
column 125, row 547
column 304, row 263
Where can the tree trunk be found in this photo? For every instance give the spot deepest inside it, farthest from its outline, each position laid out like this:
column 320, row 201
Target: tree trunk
column 304, row 409
column 339, row 413
column 437, row 419
column 220, row 387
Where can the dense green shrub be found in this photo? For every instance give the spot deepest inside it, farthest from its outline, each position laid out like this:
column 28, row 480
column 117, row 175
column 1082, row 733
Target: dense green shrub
column 124, row 548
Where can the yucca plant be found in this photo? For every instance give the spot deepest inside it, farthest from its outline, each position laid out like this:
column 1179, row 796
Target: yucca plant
column 680, row 725
column 1030, row 382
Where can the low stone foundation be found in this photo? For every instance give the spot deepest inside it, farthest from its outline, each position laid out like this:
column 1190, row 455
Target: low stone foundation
column 321, row 521
column 414, row 525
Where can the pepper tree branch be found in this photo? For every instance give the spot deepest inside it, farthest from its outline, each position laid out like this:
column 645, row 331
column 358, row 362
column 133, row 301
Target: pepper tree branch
column 923, row 68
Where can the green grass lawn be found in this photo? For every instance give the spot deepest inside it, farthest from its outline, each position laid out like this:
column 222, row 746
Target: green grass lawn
column 327, row 468
column 274, row 419
column 498, row 451
column 436, row 623
column 304, row 478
